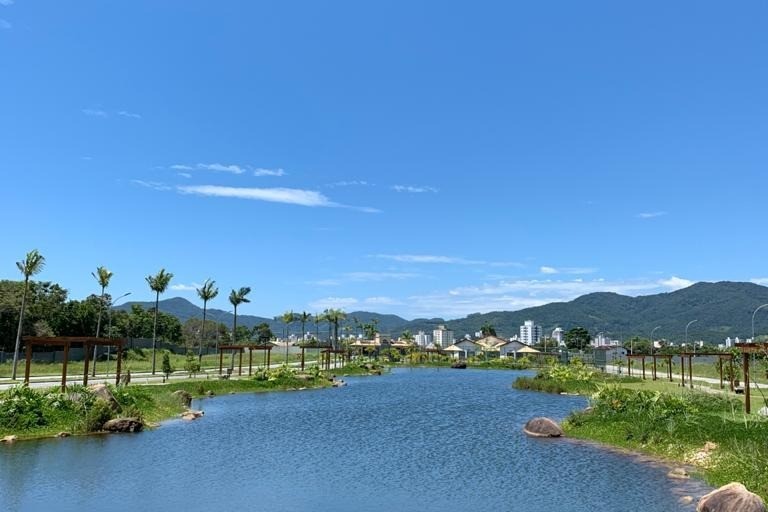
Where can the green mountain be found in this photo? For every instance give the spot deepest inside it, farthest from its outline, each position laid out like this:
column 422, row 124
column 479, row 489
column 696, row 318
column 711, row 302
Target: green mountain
column 720, row 309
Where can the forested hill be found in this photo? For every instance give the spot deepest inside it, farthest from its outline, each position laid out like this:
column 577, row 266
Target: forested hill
column 721, row 309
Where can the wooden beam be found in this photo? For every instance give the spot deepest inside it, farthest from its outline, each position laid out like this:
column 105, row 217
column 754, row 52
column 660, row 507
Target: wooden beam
column 747, row 401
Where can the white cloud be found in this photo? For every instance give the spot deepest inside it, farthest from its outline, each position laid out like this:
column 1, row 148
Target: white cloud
column 185, row 287
column 154, row 185
column 234, row 169
column 6, row 2
column 184, row 175
column 567, row 270
column 353, row 183
column 413, row 190
column 131, row 115
column 268, row 172
column 379, row 276
column 426, row 258
column 181, row 167
column 676, row 282
column 763, row 281
column 324, row 282
column 5, row 24
column 650, row 215
column 333, row 302
column 381, row 301
column 93, row 112
column 276, row 195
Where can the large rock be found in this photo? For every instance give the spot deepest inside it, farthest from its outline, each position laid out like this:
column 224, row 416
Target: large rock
column 190, row 415
column 123, row 425
column 543, row 427
column 102, row 392
column 733, row 497
column 9, row 439
column 184, row 397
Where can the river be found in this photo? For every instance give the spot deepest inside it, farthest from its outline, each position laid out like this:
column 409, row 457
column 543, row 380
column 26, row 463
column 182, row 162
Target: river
column 414, row 440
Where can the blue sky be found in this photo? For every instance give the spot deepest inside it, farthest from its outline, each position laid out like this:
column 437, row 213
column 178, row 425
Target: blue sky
column 417, row 158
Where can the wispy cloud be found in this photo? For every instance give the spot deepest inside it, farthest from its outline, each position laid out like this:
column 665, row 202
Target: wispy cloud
column 184, row 175
column 154, row 185
column 442, row 259
column 6, row 3
column 567, row 270
column 763, row 281
column 275, row 195
column 382, row 301
column 234, row 169
column 185, row 287
column 93, row 112
column 131, row 115
column 333, row 302
column 5, row 24
column 676, row 283
column 365, row 277
column 352, row 183
column 268, row 172
column 650, row 215
column 181, row 167
column 413, row 190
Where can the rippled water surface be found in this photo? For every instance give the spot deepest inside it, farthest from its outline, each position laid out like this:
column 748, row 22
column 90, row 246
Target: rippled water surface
column 415, row 440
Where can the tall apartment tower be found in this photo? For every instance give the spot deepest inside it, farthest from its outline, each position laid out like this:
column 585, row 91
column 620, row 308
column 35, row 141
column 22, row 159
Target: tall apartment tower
column 530, row 333
column 421, row 339
column 442, row 337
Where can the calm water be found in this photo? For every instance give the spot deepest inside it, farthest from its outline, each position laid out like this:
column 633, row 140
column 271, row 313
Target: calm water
column 416, row 440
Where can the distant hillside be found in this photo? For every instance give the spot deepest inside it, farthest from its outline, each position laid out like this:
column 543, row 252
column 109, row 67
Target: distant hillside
column 721, row 309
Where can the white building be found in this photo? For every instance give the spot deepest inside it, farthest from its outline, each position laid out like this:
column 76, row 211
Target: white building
column 559, row 336
column 442, row 337
column 601, row 340
column 421, row 339
column 530, row 333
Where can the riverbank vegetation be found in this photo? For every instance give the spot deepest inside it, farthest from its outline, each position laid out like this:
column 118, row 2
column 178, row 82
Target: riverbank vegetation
column 29, row 413
column 707, row 430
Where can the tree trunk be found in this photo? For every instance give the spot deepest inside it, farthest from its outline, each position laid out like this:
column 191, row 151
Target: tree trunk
column 154, row 332
column 18, row 332
column 98, row 329
column 202, row 335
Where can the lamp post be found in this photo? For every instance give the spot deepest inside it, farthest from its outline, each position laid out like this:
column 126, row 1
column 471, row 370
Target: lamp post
column 686, row 334
column 109, row 328
column 653, row 331
column 753, row 320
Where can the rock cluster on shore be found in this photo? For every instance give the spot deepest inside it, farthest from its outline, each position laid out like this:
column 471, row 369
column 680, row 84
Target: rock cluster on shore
column 543, row 427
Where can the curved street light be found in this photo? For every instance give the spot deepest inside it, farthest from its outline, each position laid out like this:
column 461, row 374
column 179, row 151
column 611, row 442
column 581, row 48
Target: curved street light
column 109, row 326
column 653, row 331
column 753, row 320
column 686, row 334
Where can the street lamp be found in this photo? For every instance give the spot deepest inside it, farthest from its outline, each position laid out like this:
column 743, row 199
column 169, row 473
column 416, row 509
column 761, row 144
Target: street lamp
column 686, row 335
column 753, row 320
column 653, row 331
column 109, row 328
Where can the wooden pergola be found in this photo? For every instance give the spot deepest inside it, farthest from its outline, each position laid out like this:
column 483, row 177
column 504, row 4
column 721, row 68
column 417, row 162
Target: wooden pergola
column 654, row 364
column 240, row 349
column 720, row 356
column 66, row 342
column 746, row 350
column 316, row 346
column 326, row 356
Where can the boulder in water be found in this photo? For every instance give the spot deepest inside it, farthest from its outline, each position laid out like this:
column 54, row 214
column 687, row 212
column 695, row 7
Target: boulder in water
column 733, row 497
column 543, row 427
column 123, row 425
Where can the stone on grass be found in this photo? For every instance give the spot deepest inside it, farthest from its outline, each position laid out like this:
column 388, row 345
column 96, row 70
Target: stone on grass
column 543, row 427
column 183, row 396
column 123, row 425
column 733, row 497
column 102, row 392
column 63, row 434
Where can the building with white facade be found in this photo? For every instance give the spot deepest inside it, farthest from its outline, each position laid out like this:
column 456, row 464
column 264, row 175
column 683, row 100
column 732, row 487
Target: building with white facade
column 558, row 335
column 530, row 333
column 421, row 339
column 442, row 337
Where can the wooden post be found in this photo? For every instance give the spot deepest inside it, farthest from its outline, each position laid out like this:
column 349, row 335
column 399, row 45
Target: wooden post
column 64, row 368
column 654, row 366
column 682, row 368
column 720, row 367
column 730, row 366
column 669, row 368
column 269, row 357
column 119, row 366
column 747, row 401
column 690, row 371
column 86, row 349
column 28, row 362
column 240, row 363
column 302, row 358
column 250, row 361
column 221, row 360
column 642, row 362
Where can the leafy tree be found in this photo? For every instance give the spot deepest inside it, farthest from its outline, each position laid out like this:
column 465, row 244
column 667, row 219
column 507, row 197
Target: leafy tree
column 487, row 330
column 576, row 338
column 158, row 284
column 407, row 336
column 288, row 318
column 31, row 265
column 167, row 368
column 303, row 317
column 191, row 365
column 262, row 333
column 206, row 292
column 370, row 329
column 237, row 297
column 102, row 276
column 333, row 317
column 637, row 345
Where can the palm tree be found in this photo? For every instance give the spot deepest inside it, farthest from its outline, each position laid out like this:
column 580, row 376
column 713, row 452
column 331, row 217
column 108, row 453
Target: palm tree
column 237, row 297
column 334, row 316
column 288, row 317
column 304, row 317
column 206, row 292
column 33, row 264
column 102, row 276
column 158, row 284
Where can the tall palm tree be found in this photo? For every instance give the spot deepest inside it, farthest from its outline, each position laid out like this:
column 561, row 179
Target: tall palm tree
column 334, row 316
column 158, row 283
column 304, row 317
column 206, row 292
column 31, row 265
column 237, row 297
column 288, row 317
column 102, row 276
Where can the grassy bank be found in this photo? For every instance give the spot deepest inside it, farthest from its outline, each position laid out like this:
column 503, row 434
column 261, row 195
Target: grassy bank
column 29, row 413
column 708, row 431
